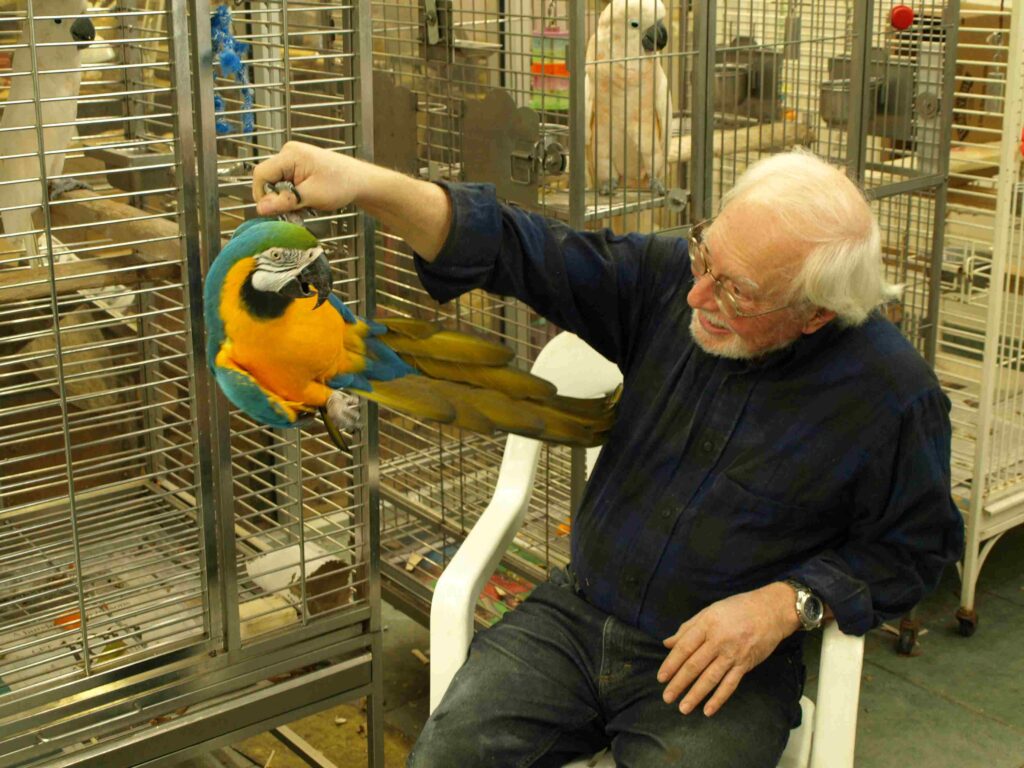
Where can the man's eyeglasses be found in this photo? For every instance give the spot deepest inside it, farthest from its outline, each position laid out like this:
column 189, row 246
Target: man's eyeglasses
column 728, row 296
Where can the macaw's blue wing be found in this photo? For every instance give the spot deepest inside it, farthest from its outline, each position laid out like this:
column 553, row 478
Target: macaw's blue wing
column 245, row 392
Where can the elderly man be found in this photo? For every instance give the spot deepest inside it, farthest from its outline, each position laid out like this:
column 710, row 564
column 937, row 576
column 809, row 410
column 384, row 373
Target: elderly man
column 780, row 453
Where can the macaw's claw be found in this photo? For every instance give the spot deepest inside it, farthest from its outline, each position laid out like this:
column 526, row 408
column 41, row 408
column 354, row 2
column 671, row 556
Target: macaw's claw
column 341, row 415
column 279, row 188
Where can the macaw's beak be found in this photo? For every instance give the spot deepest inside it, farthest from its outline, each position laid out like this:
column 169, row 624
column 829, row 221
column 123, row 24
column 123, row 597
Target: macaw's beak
column 315, row 278
column 655, row 37
column 82, row 31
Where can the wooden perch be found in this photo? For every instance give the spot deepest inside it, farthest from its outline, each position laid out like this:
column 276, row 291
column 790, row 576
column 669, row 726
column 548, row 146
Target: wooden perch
column 730, row 141
column 105, row 220
column 34, row 282
column 154, row 255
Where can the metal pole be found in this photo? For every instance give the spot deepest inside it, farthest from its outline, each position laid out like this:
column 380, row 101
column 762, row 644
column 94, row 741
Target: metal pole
column 856, row 131
column 702, row 120
column 211, row 409
column 371, row 539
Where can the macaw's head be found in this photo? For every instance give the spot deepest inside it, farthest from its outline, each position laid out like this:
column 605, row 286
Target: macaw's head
column 288, row 262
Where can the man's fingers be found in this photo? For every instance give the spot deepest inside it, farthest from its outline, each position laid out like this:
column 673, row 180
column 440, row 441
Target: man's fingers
column 683, row 647
column 688, row 671
column 270, row 171
column 725, row 689
column 705, row 684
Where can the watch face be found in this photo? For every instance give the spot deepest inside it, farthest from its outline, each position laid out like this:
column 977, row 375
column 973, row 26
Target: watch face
column 813, row 609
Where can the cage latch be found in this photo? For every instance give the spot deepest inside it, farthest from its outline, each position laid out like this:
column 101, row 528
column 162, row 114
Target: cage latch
column 521, row 166
column 431, row 18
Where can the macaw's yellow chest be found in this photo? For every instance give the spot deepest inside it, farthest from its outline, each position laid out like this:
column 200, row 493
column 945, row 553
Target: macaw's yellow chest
column 288, row 352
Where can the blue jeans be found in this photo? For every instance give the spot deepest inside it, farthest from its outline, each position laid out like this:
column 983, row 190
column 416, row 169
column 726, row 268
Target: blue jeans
column 557, row 678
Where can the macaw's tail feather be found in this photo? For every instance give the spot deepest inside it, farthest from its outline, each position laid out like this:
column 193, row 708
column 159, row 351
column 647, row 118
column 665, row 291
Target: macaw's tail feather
column 511, row 381
column 412, row 396
column 449, row 346
column 487, row 410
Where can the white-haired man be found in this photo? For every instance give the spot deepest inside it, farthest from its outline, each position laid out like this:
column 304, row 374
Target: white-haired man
column 780, row 453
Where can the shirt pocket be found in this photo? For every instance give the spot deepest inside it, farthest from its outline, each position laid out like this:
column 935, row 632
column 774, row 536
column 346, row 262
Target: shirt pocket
column 738, row 534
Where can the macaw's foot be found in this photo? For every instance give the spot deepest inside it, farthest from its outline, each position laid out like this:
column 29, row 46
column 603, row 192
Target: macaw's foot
column 279, row 188
column 60, row 187
column 608, row 188
column 341, row 416
column 658, row 188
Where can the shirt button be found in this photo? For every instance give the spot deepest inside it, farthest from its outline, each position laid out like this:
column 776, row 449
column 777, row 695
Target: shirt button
column 666, row 512
column 631, row 580
column 707, row 446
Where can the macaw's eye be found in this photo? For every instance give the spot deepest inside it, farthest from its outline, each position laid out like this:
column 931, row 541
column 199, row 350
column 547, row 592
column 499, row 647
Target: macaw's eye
column 634, row 24
column 58, row 21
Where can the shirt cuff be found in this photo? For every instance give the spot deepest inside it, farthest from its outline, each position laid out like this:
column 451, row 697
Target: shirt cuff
column 467, row 258
column 848, row 597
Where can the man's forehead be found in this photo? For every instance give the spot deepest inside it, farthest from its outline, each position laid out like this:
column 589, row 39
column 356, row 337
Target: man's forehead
column 748, row 245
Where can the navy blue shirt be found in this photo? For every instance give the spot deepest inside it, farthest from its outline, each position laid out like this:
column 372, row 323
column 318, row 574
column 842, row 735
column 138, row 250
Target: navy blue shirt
column 826, row 462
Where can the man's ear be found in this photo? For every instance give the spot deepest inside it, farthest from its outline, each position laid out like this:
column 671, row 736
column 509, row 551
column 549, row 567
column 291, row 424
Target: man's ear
column 819, row 319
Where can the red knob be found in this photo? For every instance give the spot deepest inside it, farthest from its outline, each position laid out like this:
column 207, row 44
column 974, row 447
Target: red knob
column 901, row 16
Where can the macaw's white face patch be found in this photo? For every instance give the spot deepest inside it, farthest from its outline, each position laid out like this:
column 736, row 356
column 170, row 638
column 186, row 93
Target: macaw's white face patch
column 276, row 267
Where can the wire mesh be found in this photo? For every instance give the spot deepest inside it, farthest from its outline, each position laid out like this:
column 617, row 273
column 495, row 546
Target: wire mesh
column 110, row 560
column 102, row 554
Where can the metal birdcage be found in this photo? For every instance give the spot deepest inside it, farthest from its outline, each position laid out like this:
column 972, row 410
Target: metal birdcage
column 477, row 90
column 982, row 317
column 173, row 574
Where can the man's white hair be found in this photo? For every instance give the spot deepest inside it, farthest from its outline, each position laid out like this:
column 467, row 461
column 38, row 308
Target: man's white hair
column 815, row 203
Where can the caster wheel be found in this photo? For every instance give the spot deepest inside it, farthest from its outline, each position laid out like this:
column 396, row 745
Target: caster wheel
column 967, row 622
column 906, row 642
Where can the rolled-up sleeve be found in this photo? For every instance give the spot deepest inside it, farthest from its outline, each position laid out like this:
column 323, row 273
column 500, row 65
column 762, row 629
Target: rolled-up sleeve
column 906, row 527
column 589, row 283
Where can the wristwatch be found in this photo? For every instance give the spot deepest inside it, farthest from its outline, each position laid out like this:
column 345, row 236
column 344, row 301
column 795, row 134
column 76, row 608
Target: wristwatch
column 809, row 608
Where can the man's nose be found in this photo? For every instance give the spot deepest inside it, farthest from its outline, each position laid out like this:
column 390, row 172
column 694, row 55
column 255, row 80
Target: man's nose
column 702, row 294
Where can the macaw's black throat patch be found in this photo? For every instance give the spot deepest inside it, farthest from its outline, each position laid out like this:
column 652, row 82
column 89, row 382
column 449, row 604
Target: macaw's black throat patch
column 263, row 304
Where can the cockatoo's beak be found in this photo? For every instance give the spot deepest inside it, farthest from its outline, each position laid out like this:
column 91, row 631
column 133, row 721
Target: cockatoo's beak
column 83, row 32
column 655, row 37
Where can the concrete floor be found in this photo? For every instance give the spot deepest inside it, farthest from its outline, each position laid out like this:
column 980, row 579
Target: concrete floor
column 958, row 704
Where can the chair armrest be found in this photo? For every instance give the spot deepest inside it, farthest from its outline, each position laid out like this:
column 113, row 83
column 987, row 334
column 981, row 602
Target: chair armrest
column 457, row 591
column 835, row 714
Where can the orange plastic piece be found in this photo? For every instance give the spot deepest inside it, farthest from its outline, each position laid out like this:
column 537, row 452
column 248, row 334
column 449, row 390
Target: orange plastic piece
column 69, row 621
column 557, row 68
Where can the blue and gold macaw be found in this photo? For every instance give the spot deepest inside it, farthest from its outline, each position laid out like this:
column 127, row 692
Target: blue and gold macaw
column 282, row 346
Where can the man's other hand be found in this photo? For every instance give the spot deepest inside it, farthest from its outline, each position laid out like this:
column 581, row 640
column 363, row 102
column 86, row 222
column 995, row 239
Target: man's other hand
column 714, row 650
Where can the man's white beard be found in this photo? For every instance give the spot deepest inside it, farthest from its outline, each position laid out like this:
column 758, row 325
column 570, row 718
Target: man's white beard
column 732, row 347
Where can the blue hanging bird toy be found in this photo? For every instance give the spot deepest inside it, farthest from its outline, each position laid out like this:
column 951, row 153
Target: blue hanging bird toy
column 229, row 52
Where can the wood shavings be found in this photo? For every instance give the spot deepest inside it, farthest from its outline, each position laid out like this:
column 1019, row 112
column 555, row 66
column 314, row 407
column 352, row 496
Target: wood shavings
column 414, row 559
column 421, row 656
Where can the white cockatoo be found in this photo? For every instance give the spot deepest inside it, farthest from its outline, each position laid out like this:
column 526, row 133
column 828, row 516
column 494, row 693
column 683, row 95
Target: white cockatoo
column 60, row 30
column 628, row 105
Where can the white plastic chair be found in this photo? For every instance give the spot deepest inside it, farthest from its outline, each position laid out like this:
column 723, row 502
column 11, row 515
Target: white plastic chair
column 825, row 739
